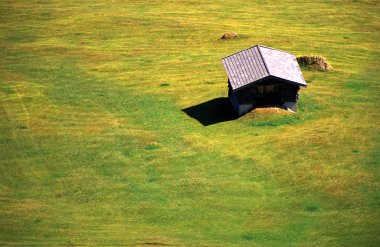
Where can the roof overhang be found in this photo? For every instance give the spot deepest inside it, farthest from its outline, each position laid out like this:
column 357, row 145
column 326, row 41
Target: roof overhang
column 287, row 81
column 270, row 77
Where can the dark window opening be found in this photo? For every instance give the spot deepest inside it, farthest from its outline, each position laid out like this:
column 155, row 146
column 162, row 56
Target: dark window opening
column 268, row 94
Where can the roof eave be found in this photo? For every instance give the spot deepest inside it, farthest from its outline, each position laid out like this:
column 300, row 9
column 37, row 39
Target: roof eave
column 249, row 84
column 289, row 81
column 266, row 78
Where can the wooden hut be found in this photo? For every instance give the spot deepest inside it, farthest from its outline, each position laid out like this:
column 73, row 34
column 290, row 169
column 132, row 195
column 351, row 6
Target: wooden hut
column 263, row 76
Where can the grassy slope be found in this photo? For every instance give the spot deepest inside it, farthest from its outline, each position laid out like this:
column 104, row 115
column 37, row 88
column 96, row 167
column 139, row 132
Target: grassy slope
column 94, row 150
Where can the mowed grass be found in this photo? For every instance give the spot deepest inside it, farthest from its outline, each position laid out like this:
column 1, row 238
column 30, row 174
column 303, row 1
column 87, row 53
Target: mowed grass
column 96, row 150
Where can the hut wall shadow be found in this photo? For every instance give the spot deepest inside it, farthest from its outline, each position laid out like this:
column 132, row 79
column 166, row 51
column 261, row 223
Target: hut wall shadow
column 212, row 112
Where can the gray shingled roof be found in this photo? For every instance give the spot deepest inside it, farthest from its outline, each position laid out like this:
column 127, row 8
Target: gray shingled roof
column 258, row 62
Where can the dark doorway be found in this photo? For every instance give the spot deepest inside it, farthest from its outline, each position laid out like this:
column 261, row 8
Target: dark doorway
column 268, row 94
column 212, row 112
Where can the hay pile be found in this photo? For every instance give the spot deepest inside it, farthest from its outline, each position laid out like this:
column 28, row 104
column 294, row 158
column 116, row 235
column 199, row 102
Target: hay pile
column 266, row 116
column 262, row 113
column 270, row 111
column 230, row 36
column 314, row 62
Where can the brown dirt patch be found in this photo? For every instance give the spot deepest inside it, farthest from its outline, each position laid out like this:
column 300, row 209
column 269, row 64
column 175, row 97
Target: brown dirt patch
column 230, row 36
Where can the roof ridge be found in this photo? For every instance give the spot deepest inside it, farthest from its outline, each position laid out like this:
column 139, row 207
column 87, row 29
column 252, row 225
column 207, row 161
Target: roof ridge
column 239, row 51
column 258, row 45
column 262, row 57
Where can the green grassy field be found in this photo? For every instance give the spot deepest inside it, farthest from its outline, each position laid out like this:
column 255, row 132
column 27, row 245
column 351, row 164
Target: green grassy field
column 95, row 148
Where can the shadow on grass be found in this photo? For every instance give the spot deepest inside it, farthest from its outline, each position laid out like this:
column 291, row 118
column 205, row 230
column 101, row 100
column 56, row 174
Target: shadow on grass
column 212, row 112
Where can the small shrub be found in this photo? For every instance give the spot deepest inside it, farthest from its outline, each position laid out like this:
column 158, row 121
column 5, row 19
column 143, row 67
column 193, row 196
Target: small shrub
column 247, row 236
column 311, row 208
column 151, row 147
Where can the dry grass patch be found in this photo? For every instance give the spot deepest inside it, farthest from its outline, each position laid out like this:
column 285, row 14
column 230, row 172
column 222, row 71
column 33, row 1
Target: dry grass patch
column 27, row 207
